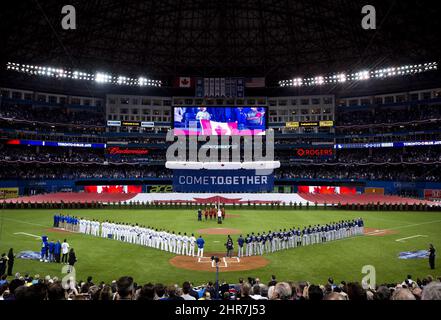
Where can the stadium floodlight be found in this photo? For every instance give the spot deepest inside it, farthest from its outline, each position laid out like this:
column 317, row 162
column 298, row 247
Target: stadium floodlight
column 122, row 80
column 363, row 75
column 99, row 77
column 102, row 77
column 189, row 165
column 222, row 165
column 260, row 165
column 341, row 77
column 143, row 81
column 297, row 82
column 319, row 80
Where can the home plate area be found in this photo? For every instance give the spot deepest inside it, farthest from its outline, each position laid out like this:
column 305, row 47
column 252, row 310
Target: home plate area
column 225, row 264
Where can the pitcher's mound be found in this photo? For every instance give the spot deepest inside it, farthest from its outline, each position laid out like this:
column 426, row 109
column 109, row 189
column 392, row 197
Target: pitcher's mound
column 225, row 264
column 223, row 231
column 378, row 232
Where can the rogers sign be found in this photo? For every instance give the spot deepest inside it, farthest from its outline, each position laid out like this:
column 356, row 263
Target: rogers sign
column 118, row 150
column 314, row 152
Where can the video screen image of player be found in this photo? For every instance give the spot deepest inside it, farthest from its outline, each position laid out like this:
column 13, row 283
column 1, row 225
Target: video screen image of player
column 219, row 120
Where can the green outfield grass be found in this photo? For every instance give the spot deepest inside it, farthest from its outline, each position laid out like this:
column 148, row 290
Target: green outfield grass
column 343, row 259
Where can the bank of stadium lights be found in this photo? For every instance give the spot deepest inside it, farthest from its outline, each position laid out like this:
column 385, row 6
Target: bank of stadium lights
column 99, row 77
column 361, row 75
column 103, row 78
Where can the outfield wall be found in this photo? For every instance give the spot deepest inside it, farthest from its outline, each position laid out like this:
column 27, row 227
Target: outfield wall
column 151, row 185
column 221, row 198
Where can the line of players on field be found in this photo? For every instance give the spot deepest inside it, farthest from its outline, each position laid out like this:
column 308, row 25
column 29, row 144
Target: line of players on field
column 180, row 244
column 292, row 238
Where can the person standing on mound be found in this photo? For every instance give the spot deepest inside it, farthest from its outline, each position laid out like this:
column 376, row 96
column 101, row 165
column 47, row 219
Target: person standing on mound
column 200, row 242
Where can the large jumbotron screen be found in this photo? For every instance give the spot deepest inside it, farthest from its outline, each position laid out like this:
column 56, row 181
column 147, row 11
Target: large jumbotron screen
column 219, row 120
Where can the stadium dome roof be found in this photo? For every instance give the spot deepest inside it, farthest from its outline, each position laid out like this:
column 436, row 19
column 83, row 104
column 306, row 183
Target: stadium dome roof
column 273, row 38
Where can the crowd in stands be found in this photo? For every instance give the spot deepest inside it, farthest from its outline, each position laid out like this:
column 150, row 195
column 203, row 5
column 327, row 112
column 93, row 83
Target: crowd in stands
column 52, row 154
column 390, row 129
column 49, row 128
column 51, row 136
column 348, row 156
column 388, row 115
column 126, row 288
column 59, row 171
column 411, row 173
column 52, row 115
column 366, row 156
column 430, row 173
column 415, row 154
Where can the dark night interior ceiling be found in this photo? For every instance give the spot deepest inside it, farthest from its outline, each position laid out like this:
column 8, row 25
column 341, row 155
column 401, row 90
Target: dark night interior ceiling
column 273, row 38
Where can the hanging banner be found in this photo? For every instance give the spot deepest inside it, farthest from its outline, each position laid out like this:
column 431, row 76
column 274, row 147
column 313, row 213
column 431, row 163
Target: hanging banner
column 221, row 181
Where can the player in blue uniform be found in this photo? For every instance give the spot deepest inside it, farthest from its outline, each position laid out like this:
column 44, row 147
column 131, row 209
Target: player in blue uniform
column 240, row 243
column 200, row 243
column 248, row 245
column 254, row 244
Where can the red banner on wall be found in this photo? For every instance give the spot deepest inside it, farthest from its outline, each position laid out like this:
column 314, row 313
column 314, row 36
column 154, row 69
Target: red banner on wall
column 113, row 189
column 432, row 194
column 327, row 190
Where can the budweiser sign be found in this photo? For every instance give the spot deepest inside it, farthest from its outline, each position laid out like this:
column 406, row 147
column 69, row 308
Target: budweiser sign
column 118, row 150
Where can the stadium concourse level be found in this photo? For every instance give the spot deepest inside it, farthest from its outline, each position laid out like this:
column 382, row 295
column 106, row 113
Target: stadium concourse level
column 84, row 171
column 36, row 288
column 412, row 173
column 52, row 154
column 417, row 112
column 57, row 115
column 419, row 164
column 345, row 116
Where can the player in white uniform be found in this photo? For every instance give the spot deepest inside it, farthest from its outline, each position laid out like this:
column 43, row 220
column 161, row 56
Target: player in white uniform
column 166, row 240
column 172, row 242
column 185, row 240
column 178, row 243
column 192, row 245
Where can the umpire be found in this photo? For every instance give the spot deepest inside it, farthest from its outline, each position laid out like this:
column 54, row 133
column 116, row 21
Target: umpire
column 229, row 246
column 432, row 256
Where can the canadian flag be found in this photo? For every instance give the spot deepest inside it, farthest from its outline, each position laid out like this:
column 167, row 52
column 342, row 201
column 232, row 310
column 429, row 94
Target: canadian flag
column 218, row 128
column 184, row 82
